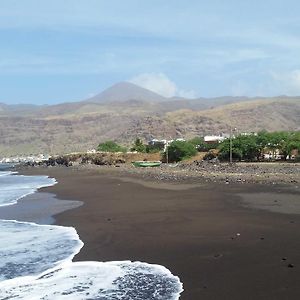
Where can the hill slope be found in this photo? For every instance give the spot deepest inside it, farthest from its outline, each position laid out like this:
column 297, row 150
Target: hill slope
column 80, row 126
column 125, row 91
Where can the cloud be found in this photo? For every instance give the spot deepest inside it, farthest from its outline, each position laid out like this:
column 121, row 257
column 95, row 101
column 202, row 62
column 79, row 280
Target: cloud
column 161, row 84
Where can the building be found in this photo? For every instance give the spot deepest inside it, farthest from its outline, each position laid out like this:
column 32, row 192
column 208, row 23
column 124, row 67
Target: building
column 214, row 139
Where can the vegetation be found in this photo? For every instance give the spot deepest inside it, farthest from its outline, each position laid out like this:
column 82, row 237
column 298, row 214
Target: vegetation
column 201, row 146
column 179, row 150
column 254, row 147
column 138, row 146
column 110, row 146
column 155, row 148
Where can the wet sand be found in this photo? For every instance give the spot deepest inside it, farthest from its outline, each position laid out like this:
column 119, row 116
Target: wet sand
column 38, row 208
column 219, row 248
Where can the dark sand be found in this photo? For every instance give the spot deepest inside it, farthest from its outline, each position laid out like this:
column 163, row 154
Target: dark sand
column 201, row 232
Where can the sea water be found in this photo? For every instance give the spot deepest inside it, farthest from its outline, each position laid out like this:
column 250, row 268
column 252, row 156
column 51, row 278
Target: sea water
column 36, row 260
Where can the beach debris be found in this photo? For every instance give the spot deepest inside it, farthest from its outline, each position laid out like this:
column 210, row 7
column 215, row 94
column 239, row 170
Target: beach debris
column 236, row 235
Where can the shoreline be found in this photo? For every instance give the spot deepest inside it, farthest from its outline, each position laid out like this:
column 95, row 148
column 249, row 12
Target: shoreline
column 39, row 207
column 198, row 230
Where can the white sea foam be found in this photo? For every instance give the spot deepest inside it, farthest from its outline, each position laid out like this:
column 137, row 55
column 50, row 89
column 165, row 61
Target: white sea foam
column 14, row 187
column 97, row 280
column 30, row 249
column 5, row 173
column 36, row 261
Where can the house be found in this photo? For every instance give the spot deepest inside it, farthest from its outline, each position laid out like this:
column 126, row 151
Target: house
column 214, row 139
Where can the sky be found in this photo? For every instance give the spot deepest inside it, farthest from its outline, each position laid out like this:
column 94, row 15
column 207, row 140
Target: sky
column 60, row 51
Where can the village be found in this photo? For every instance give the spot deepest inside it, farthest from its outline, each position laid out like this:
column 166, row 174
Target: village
column 262, row 146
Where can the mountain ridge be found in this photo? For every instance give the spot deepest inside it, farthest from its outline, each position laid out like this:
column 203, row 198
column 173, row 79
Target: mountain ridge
column 125, row 91
column 78, row 126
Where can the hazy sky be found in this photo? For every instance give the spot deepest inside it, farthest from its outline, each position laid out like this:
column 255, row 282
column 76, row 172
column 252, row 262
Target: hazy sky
column 54, row 51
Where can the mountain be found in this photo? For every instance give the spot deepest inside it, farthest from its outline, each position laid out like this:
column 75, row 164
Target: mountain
column 125, row 111
column 125, row 91
column 3, row 107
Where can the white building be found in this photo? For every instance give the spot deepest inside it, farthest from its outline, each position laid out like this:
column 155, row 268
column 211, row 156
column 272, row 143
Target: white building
column 213, row 139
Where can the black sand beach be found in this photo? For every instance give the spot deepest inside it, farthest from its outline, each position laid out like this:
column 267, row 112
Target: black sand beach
column 220, row 245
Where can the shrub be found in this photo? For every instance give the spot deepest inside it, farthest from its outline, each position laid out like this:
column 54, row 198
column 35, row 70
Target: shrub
column 110, row 146
column 154, row 148
column 179, row 150
column 138, row 146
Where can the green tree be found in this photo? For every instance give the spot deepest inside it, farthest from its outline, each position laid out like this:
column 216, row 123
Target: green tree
column 201, row 146
column 250, row 147
column 262, row 140
column 179, row 150
column 243, row 147
column 138, row 146
column 291, row 143
column 224, row 151
column 154, row 148
column 110, row 146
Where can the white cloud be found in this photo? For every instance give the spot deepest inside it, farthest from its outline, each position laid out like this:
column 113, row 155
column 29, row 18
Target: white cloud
column 160, row 84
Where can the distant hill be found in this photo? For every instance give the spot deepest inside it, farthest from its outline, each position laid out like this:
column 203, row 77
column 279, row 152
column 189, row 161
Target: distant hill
column 17, row 108
column 125, row 91
column 126, row 111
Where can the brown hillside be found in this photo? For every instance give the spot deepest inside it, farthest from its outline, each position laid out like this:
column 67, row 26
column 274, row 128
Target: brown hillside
column 81, row 126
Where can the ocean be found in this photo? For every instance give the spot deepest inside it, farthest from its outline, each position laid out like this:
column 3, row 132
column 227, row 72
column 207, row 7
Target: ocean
column 36, row 259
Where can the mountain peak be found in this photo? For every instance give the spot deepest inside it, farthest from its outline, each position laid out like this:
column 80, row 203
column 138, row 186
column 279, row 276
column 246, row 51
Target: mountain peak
column 125, row 91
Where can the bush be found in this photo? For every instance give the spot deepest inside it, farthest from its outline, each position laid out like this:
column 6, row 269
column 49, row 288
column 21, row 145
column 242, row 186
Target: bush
column 110, row 146
column 138, row 146
column 179, row 150
column 154, row 148
column 236, row 155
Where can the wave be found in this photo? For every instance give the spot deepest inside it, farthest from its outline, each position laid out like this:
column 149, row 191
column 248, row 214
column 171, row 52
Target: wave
column 28, row 249
column 36, row 263
column 7, row 173
column 15, row 187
